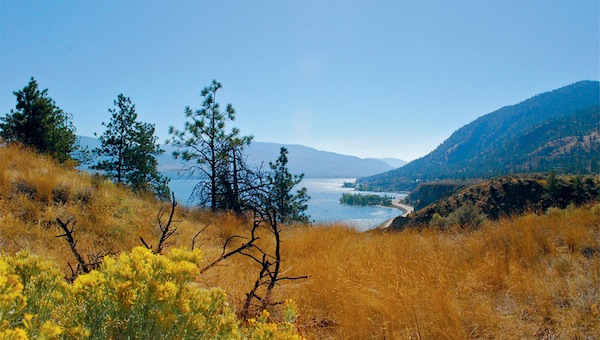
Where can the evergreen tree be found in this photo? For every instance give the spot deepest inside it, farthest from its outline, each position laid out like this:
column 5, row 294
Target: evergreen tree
column 205, row 141
column 38, row 122
column 236, row 178
column 286, row 206
column 130, row 149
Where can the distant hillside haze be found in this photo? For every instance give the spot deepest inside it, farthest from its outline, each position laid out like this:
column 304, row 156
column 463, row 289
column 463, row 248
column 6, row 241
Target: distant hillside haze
column 315, row 163
column 395, row 162
column 556, row 130
column 311, row 162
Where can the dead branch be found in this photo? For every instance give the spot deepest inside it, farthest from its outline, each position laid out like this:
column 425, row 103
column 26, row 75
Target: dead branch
column 200, row 232
column 225, row 255
column 94, row 260
column 270, row 273
column 68, row 235
column 165, row 229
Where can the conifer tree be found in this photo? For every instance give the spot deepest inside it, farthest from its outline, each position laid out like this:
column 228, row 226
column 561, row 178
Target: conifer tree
column 129, row 149
column 205, row 141
column 286, row 206
column 38, row 122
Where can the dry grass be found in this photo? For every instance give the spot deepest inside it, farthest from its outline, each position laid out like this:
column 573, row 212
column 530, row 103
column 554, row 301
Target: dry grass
column 35, row 190
column 519, row 278
column 526, row 277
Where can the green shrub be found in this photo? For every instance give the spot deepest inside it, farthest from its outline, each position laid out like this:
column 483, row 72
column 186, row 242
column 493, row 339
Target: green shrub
column 467, row 216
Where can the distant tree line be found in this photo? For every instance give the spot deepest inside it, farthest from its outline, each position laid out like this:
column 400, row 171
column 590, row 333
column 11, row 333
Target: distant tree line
column 349, row 185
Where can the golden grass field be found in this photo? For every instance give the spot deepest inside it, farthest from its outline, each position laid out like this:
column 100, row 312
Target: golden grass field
column 533, row 276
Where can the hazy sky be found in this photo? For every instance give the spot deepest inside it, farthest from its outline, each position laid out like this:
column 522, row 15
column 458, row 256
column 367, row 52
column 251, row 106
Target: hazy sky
column 365, row 78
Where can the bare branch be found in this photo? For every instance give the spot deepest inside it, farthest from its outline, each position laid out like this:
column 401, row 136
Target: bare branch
column 145, row 244
column 68, row 235
column 165, row 229
column 200, row 231
column 291, row 278
column 224, row 256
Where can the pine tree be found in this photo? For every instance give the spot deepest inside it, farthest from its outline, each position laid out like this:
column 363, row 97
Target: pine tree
column 287, row 207
column 129, row 150
column 205, row 141
column 38, row 122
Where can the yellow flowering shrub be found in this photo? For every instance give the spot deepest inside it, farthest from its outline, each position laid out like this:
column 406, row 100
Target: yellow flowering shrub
column 261, row 328
column 43, row 282
column 12, row 303
column 136, row 295
column 141, row 294
column 30, row 291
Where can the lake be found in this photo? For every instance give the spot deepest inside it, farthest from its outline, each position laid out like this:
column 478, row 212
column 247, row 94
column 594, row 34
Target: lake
column 324, row 204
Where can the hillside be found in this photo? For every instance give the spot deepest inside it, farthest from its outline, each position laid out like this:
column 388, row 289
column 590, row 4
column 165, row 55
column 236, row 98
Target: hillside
column 499, row 197
column 530, row 276
column 570, row 144
column 311, row 162
column 530, row 136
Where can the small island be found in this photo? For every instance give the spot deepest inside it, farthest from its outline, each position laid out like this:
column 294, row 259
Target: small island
column 349, row 185
column 364, row 200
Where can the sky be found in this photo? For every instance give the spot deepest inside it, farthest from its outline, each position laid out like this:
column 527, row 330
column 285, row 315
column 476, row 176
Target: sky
column 363, row 78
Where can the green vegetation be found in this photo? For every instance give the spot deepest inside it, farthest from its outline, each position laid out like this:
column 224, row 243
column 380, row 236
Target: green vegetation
column 129, row 151
column 226, row 182
column 285, row 206
column 465, row 216
column 216, row 152
column 363, row 200
column 39, row 123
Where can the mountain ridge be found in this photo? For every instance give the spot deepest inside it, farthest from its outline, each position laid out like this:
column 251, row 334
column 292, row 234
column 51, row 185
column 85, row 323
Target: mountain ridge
column 311, row 162
column 467, row 152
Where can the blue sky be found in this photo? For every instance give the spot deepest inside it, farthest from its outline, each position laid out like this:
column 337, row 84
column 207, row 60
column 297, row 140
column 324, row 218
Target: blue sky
column 365, row 78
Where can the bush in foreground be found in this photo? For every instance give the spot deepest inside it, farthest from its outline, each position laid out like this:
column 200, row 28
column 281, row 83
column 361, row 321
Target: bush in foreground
column 137, row 295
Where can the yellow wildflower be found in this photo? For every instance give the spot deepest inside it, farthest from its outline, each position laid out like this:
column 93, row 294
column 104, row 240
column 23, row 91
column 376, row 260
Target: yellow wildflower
column 166, row 290
column 14, row 334
column 50, row 330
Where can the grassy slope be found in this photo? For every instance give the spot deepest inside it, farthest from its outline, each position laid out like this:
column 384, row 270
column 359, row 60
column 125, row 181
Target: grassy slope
column 517, row 278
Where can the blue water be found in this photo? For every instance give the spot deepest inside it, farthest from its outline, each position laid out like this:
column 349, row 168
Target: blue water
column 324, row 204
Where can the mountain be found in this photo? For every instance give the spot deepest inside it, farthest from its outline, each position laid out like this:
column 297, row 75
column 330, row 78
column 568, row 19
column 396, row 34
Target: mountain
column 395, row 162
column 316, row 163
column 301, row 159
column 534, row 135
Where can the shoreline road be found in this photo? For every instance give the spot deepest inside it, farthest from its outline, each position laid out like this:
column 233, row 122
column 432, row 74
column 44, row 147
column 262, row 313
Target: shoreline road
column 406, row 209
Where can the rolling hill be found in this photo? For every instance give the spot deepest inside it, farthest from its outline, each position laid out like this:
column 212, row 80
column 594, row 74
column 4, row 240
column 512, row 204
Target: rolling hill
column 557, row 130
column 302, row 159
